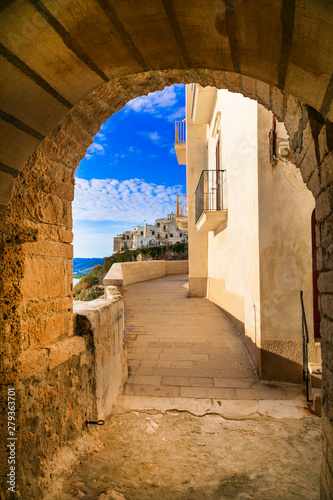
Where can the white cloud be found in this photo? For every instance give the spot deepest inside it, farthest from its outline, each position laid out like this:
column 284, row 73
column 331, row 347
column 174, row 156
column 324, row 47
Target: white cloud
column 160, row 104
column 154, row 136
column 111, row 200
column 100, row 136
column 134, row 150
column 150, row 103
column 95, row 149
column 179, row 114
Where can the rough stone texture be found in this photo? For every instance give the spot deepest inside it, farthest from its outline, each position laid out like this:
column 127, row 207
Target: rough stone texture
column 177, row 455
column 229, row 39
column 40, row 214
column 55, row 406
column 64, row 384
column 198, row 287
column 105, row 318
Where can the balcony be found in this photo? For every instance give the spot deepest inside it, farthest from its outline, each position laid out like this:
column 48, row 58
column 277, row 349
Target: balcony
column 203, row 103
column 180, row 141
column 211, row 212
column 181, row 212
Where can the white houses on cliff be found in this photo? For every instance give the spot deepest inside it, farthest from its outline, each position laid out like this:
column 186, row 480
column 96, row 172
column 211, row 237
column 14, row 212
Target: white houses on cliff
column 164, row 232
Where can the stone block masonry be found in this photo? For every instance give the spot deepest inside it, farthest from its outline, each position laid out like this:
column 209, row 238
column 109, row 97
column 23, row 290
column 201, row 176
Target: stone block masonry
column 36, row 232
column 65, row 383
column 105, row 318
column 56, row 401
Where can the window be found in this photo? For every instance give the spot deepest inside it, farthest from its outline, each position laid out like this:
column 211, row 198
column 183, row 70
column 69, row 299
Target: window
column 171, row 235
column 153, row 232
column 164, row 228
column 141, row 233
column 158, row 236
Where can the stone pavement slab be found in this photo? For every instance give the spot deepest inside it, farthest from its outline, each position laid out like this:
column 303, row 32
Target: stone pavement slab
column 187, row 350
column 194, row 421
column 189, row 343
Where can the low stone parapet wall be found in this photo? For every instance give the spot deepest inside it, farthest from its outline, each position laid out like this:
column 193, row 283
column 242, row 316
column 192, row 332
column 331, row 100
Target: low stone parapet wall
column 66, row 383
column 105, row 319
column 176, row 266
column 127, row 273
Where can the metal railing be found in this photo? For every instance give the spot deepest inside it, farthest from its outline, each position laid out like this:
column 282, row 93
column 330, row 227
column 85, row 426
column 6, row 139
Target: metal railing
column 211, row 193
column 305, row 341
column 180, row 132
column 181, row 210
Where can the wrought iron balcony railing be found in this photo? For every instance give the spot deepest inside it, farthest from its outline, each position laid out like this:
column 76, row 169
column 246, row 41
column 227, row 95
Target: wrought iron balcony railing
column 211, row 192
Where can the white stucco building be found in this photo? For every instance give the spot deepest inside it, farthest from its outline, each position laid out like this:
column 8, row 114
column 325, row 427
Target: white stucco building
column 164, row 232
column 250, row 227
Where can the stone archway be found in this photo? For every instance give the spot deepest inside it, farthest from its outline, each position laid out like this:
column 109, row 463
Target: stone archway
column 62, row 106
column 37, row 227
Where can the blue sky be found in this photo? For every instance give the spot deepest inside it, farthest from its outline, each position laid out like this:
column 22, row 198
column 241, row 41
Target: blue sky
column 130, row 172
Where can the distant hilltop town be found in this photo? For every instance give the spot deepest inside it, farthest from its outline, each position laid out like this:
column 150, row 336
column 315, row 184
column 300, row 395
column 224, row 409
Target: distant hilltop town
column 164, row 232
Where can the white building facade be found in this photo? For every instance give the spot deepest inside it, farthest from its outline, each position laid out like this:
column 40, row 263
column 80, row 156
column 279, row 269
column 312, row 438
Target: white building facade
column 164, row 232
column 250, row 227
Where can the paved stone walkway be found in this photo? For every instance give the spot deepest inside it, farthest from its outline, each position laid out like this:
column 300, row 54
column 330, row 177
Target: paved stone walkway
column 194, row 422
column 185, row 354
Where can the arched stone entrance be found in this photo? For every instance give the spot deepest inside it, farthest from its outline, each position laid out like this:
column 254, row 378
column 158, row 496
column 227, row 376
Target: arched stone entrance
column 54, row 63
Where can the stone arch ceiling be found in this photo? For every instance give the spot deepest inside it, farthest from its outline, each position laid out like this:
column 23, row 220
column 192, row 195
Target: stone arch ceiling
column 55, row 52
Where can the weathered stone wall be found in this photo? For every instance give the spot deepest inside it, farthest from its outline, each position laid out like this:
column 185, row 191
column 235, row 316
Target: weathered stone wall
column 53, row 375
column 65, row 383
column 312, row 139
column 35, row 229
column 36, row 287
column 105, row 319
column 58, row 396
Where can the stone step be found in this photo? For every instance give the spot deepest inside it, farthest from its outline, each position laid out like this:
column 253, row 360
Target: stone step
column 317, row 402
column 315, row 372
column 230, row 409
column 315, row 375
column 206, row 388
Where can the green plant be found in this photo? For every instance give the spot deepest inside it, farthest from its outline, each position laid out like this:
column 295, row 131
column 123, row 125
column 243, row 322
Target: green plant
column 87, row 288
